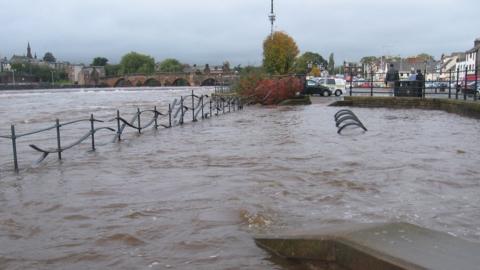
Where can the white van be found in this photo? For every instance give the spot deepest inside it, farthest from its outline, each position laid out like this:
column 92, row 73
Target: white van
column 337, row 86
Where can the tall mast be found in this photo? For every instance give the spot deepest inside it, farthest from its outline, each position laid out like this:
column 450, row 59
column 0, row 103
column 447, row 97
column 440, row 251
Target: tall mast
column 272, row 19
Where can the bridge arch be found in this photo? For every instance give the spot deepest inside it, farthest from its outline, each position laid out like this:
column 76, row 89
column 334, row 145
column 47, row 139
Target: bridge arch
column 152, row 82
column 208, row 82
column 122, row 83
column 180, row 82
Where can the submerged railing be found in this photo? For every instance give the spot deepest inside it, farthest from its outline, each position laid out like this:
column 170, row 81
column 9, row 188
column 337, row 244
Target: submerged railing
column 201, row 107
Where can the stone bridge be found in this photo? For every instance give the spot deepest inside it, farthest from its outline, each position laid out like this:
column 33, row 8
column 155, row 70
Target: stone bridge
column 168, row 79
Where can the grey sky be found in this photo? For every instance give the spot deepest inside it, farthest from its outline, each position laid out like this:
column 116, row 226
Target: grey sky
column 211, row 31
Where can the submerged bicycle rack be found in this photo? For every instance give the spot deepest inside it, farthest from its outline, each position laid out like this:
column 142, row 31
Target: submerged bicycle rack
column 202, row 107
column 347, row 118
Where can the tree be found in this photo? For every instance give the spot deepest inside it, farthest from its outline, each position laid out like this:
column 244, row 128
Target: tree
column 279, row 52
column 99, row 62
column 309, row 59
column 170, row 65
column 48, row 57
column 331, row 63
column 368, row 60
column 137, row 63
column 315, row 71
column 112, row 70
column 425, row 57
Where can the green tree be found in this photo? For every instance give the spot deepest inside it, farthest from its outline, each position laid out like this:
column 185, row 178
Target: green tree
column 112, row 70
column 368, row 60
column 279, row 53
column 170, row 65
column 309, row 58
column 331, row 63
column 137, row 63
column 99, row 62
column 425, row 57
column 48, row 57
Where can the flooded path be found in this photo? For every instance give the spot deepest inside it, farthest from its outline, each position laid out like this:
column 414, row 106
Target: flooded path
column 192, row 197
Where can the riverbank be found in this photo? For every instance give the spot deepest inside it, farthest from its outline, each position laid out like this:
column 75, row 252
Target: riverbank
column 460, row 107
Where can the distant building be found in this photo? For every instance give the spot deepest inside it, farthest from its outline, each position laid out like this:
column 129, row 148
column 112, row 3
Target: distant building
column 89, row 76
column 354, row 69
column 29, row 52
column 17, row 59
column 448, row 65
column 4, row 65
column 472, row 58
column 73, row 72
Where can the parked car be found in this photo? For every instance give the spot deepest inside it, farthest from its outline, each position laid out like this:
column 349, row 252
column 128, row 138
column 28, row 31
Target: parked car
column 336, row 86
column 365, row 85
column 313, row 88
column 470, row 89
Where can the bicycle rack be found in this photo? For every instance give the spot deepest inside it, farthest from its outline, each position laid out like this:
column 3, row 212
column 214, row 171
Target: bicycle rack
column 347, row 118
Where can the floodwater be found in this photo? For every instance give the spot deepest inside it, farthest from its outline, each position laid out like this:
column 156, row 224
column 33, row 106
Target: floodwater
column 193, row 197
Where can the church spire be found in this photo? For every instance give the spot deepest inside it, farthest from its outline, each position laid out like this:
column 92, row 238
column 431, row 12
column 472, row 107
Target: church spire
column 29, row 51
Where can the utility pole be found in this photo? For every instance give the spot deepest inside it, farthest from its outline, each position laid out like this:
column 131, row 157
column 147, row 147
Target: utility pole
column 272, row 19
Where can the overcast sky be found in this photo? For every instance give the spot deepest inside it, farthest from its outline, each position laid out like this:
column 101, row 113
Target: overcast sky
column 211, row 31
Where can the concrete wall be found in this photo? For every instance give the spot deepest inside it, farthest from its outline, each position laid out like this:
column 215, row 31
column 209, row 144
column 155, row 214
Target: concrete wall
column 461, row 107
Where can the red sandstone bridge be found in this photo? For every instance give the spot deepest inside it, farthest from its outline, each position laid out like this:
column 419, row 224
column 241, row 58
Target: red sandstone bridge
column 168, row 79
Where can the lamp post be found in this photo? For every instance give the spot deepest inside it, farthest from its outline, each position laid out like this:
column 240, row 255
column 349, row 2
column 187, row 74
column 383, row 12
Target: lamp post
column 53, row 83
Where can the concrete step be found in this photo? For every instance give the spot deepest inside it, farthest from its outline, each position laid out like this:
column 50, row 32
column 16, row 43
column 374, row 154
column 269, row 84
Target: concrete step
column 376, row 246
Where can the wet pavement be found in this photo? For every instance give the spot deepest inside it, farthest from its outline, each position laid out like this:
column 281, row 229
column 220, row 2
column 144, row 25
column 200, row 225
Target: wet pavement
column 192, row 197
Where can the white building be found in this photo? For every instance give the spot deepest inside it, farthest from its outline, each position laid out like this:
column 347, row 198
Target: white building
column 4, row 65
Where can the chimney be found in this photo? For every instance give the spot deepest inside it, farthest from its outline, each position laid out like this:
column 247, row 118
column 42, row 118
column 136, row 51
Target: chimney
column 477, row 42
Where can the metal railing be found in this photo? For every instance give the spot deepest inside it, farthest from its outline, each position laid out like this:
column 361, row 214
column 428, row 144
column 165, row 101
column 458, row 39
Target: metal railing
column 201, row 107
column 453, row 84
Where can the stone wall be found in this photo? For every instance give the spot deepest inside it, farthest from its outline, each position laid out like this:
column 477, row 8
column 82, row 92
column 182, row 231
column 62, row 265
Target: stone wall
column 461, row 107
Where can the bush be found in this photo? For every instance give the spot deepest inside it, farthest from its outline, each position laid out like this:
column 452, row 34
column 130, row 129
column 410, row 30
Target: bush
column 268, row 91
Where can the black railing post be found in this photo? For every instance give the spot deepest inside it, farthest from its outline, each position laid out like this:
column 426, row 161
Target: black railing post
column 450, row 85
column 223, row 106
column 92, row 131
column 59, row 146
column 457, row 85
column 351, row 82
column 155, row 116
column 193, row 108
column 465, row 85
column 229, row 103
column 181, row 111
column 169, row 115
column 119, row 133
column 138, row 121
column 210, row 107
column 203, row 117
column 371, row 83
column 14, row 146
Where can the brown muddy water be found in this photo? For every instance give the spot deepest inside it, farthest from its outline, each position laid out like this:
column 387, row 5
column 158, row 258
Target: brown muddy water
column 193, row 197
